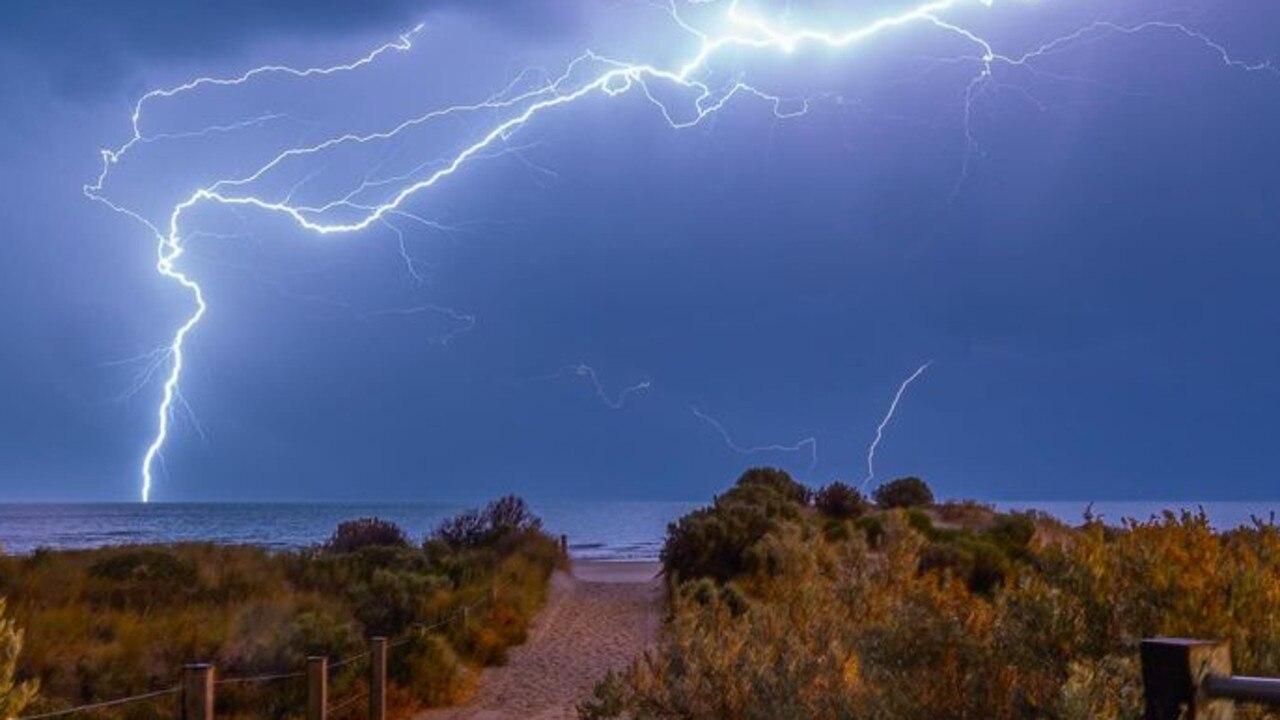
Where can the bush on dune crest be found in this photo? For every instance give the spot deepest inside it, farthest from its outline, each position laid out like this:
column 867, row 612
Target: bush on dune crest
column 353, row 535
column 115, row 622
column 930, row 613
column 903, row 493
column 504, row 518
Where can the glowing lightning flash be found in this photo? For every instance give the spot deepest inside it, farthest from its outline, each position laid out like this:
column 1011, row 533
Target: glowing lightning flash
column 588, row 373
column 737, row 30
column 888, row 417
column 810, row 444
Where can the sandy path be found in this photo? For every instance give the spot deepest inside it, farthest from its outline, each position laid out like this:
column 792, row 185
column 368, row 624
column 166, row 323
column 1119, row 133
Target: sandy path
column 599, row 618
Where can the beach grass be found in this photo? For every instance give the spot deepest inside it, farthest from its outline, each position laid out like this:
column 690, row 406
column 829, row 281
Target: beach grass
column 783, row 606
column 122, row 621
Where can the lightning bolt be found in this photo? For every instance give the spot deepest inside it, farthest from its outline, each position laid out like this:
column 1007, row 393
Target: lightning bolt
column 526, row 98
column 588, row 373
column 884, row 423
column 809, row 443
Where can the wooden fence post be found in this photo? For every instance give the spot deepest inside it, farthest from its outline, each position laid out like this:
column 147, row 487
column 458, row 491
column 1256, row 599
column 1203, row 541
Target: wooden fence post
column 564, row 545
column 317, row 688
column 197, row 692
column 1173, row 674
column 378, row 679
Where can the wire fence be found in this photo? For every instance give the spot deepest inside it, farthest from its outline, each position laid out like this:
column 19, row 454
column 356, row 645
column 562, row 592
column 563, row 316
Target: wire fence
column 199, row 678
column 105, row 704
column 347, row 704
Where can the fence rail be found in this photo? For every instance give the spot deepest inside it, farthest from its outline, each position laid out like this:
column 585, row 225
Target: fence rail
column 1191, row 680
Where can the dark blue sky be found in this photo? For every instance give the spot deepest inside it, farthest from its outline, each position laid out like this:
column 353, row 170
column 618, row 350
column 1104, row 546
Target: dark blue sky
column 1098, row 292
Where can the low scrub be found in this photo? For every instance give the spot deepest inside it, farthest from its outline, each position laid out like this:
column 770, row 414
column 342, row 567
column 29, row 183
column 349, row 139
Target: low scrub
column 904, row 493
column 117, row 622
column 915, row 613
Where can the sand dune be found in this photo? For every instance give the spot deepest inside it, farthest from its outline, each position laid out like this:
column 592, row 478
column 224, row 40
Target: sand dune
column 599, row 617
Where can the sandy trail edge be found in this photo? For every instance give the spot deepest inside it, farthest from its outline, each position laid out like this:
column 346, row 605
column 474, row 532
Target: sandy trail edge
column 598, row 618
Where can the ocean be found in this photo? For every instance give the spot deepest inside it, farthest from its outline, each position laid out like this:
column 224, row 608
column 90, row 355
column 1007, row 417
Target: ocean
column 596, row 530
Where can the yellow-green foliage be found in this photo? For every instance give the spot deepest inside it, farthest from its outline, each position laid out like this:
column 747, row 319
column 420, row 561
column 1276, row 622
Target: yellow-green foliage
column 14, row 695
column 883, row 617
column 117, row 622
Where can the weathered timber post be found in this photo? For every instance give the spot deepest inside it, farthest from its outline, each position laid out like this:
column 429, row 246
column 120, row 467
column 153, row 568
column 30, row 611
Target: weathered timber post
column 197, row 692
column 564, row 545
column 1174, row 671
column 378, row 679
column 317, row 688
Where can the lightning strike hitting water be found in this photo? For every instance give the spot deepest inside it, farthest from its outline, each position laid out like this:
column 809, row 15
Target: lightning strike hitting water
column 888, row 417
column 734, row 28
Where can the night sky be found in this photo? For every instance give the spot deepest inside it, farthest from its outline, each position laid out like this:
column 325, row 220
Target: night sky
column 1095, row 276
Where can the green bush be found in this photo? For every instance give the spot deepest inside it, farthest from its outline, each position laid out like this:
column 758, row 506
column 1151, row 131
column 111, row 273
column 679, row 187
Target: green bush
column 778, row 480
column 365, row 532
column 141, row 578
column 872, row 527
column 839, row 500
column 505, row 518
column 1013, row 533
column 907, row 620
column 920, row 521
column 903, row 493
column 716, row 541
column 115, row 622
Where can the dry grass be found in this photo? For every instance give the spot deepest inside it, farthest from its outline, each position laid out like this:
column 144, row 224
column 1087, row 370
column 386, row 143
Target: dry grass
column 122, row 621
column 892, row 617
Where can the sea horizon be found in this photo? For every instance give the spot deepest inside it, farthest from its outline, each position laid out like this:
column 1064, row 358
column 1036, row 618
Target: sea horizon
column 613, row 530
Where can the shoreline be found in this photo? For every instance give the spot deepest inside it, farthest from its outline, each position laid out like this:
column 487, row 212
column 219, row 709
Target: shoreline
column 620, row 572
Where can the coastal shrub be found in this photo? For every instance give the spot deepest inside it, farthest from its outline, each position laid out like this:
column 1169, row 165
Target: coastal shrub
column 353, row 535
column 114, row 622
column 920, row 521
column 433, row 670
column 15, row 696
column 1012, row 533
column 141, row 578
column 777, row 480
column 839, row 500
column 714, row 541
column 903, row 493
column 872, row 527
column 505, row 518
column 969, row 514
column 914, row 617
column 976, row 561
column 708, row 543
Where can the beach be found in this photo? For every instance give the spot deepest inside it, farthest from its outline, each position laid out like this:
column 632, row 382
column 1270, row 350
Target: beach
column 598, row 617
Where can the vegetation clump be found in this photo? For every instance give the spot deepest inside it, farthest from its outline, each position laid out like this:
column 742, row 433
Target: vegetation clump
column 353, row 535
column 117, row 622
column 15, row 695
column 907, row 492
column 923, row 612
column 501, row 519
column 717, row 541
column 840, row 501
